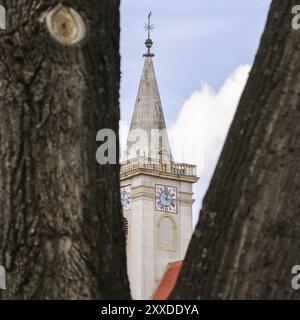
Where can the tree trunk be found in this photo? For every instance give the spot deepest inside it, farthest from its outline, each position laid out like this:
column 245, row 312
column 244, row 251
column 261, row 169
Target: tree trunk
column 61, row 225
column 248, row 235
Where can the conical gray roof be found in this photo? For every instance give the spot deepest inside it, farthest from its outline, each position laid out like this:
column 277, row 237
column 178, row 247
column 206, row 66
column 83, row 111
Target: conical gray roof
column 148, row 118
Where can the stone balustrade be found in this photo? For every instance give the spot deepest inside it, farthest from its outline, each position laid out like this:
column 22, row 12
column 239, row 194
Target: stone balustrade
column 158, row 166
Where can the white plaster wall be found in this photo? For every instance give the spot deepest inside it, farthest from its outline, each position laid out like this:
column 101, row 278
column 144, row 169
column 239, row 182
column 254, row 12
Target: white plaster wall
column 146, row 261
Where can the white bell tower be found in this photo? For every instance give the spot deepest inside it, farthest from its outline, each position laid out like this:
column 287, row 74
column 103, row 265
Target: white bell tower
column 156, row 192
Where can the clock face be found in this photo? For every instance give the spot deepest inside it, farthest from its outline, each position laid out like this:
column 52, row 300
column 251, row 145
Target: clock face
column 126, row 197
column 166, row 198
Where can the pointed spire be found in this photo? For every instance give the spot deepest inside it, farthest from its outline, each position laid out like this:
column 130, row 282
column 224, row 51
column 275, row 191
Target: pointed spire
column 148, row 126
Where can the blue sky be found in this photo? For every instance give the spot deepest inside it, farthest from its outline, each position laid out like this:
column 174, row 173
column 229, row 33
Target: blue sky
column 194, row 41
column 203, row 52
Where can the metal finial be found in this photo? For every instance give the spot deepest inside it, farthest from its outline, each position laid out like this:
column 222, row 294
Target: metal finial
column 149, row 43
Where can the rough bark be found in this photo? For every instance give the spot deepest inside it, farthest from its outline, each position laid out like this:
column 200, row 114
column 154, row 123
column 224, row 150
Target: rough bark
column 247, row 238
column 61, row 226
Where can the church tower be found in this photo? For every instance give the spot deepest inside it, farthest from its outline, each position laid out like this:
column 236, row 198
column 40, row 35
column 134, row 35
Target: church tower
column 156, row 192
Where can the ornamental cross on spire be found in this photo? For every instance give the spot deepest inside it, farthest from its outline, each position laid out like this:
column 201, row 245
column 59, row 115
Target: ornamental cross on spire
column 149, row 43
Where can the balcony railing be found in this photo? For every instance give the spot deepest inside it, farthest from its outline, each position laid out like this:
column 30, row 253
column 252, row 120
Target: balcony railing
column 156, row 165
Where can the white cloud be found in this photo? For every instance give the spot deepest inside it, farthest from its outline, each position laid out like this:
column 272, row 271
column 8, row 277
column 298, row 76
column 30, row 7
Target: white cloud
column 123, row 133
column 200, row 131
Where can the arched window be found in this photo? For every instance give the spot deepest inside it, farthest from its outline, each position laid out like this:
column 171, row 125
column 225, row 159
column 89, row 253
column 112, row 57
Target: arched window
column 166, row 229
column 126, row 230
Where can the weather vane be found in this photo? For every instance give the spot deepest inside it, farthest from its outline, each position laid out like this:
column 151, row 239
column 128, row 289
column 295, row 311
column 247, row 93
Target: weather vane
column 149, row 43
column 149, row 27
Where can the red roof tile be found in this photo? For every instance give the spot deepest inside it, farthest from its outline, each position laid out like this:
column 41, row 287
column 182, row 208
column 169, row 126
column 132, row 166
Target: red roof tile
column 168, row 281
